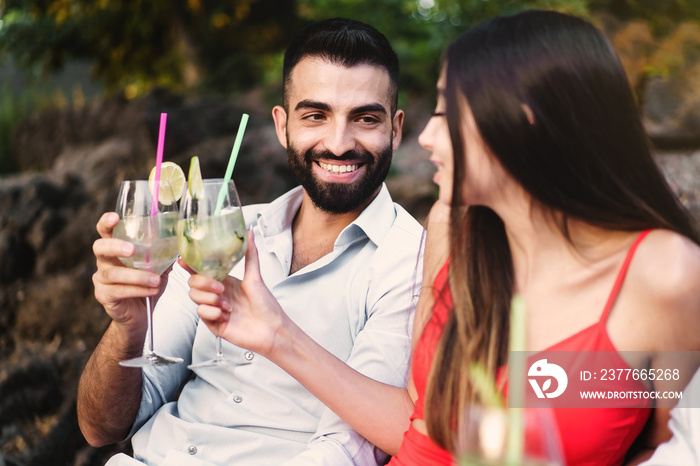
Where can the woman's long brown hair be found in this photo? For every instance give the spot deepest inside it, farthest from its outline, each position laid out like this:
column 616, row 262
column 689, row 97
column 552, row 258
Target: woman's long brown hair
column 480, row 282
column 586, row 156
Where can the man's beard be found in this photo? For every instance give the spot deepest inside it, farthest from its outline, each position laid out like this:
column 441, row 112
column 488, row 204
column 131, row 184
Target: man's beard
column 340, row 198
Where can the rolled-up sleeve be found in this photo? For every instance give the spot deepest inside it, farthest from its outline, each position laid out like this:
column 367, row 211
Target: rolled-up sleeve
column 174, row 326
column 381, row 350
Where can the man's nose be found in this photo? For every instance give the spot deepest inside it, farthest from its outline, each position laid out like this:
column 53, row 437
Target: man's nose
column 339, row 139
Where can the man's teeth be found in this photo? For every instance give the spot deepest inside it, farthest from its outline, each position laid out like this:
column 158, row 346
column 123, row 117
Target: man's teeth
column 338, row 168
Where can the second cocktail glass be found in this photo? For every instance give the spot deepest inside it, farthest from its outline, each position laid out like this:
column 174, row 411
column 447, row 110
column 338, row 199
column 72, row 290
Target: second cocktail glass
column 211, row 237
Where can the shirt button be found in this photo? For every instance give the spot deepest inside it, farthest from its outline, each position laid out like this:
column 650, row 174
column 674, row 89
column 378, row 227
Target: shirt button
column 192, row 449
column 249, row 355
column 237, row 398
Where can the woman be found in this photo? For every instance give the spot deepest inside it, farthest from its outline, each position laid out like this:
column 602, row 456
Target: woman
column 553, row 195
column 536, row 131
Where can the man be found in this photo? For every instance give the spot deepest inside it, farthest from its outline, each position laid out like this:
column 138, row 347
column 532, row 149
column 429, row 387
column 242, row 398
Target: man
column 338, row 255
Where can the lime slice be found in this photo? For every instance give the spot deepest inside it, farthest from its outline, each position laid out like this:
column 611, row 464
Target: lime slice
column 194, row 179
column 172, row 182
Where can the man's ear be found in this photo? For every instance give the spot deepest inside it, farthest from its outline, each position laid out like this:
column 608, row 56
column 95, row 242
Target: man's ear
column 397, row 128
column 279, row 115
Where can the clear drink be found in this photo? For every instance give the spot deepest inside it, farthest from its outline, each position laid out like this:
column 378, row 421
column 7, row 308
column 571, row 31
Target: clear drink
column 212, row 245
column 150, row 227
column 498, row 436
column 211, row 237
column 153, row 238
column 470, row 460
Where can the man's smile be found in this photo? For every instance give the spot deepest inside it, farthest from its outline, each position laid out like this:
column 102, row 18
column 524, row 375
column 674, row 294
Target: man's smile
column 338, row 168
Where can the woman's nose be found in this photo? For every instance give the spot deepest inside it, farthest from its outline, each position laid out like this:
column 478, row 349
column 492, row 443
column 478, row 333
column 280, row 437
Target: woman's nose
column 425, row 138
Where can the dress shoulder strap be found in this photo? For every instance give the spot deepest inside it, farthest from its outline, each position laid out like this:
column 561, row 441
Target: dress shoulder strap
column 621, row 275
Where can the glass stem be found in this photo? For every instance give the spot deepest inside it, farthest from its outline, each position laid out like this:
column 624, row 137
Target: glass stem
column 151, row 352
column 219, row 349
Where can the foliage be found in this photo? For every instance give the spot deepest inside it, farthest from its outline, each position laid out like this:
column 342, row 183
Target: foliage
column 661, row 15
column 420, row 30
column 231, row 45
column 417, row 42
column 136, row 44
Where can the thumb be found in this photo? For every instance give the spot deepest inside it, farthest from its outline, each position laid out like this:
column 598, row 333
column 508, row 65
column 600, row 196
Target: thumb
column 252, row 264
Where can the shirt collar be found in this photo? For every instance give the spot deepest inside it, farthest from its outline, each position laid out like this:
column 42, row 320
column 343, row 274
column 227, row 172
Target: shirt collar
column 374, row 221
column 278, row 216
column 378, row 216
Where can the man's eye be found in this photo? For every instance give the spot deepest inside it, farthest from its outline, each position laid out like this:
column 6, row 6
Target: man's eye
column 368, row 119
column 314, row 117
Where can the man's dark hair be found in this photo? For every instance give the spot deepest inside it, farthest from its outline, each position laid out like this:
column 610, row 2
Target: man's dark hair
column 343, row 42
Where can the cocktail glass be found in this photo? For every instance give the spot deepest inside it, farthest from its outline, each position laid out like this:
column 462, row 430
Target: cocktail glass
column 155, row 243
column 211, row 237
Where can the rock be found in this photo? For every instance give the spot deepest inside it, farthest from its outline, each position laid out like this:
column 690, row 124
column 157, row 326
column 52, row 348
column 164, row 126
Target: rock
column 94, row 170
column 29, row 205
column 682, row 170
column 671, row 94
column 43, row 136
column 39, row 140
column 672, row 111
column 29, row 390
column 61, row 306
column 17, row 257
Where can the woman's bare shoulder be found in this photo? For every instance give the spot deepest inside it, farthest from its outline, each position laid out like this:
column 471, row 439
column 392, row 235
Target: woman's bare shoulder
column 669, row 264
column 665, row 275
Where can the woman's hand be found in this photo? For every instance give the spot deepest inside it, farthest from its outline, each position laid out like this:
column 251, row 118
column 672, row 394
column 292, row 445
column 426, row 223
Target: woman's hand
column 244, row 312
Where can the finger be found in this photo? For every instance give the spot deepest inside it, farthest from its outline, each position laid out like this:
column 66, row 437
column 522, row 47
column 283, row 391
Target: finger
column 107, row 223
column 114, row 275
column 252, row 264
column 204, row 283
column 116, row 293
column 209, row 299
column 109, row 247
column 210, row 314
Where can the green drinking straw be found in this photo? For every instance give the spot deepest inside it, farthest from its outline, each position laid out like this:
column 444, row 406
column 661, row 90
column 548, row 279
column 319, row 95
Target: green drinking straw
column 515, row 439
column 231, row 163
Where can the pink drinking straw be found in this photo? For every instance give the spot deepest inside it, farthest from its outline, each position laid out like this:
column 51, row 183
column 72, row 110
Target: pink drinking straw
column 159, row 162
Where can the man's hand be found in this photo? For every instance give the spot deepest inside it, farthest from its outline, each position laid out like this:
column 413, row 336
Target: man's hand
column 118, row 288
column 243, row 312
column 109, row 395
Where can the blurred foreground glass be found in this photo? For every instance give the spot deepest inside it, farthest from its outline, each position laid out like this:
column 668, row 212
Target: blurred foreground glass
column 211, row 237
column 155, row 243
column 485, row 438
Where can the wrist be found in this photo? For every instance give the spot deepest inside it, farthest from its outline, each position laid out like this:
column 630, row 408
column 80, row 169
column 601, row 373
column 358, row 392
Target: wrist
column 286, row 337
column 127, row 339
